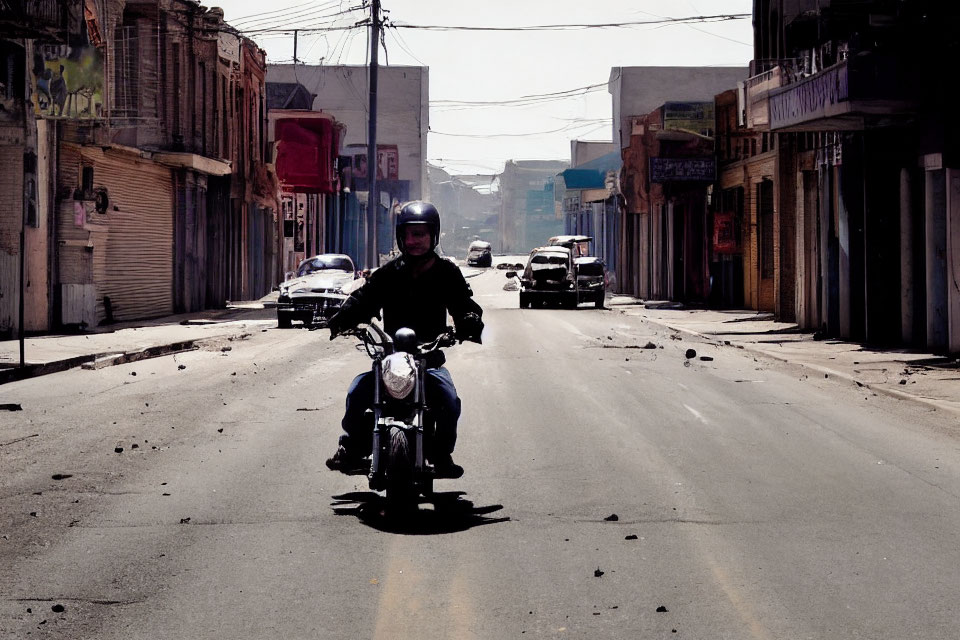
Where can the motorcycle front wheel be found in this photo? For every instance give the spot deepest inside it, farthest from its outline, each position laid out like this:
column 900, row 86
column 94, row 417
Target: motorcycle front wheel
column 401, row 491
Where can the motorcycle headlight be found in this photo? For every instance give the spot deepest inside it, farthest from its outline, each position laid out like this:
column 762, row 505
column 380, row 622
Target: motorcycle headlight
column 399, row 374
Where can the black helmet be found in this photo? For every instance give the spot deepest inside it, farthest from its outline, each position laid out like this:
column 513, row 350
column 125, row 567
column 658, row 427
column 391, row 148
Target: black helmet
column 419, row 212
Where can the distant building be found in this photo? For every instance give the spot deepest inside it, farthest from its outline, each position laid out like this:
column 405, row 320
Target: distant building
column 587, row 196
column 528, row 213
column 636, row 93
column 403, row 119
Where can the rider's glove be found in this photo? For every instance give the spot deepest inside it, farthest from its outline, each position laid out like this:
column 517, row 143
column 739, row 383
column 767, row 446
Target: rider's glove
column 469, row 327
column 335, row 325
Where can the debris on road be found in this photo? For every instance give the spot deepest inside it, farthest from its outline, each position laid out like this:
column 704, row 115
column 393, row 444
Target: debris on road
column 118, row 450
column 706, row 358
column 181, row 367
column 691, row 353
column 61, row 476
column 632, row 536
column 307, row 409
column 58, row 608
column 10, row 407
column 662, row 609
column 649, row 345
column 612, row 517
column 184, row 520
column 597, row 573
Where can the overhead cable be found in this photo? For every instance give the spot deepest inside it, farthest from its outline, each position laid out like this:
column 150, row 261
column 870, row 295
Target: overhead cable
column 568, row 27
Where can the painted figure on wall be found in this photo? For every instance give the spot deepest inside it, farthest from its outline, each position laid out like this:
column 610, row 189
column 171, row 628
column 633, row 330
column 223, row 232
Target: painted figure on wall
column 68, row 82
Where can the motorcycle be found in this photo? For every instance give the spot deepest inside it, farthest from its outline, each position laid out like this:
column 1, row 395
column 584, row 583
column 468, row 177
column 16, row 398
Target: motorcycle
column 403, row 428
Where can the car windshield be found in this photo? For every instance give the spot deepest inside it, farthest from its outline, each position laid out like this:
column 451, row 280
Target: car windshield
column 325, row 263
column 549, row 258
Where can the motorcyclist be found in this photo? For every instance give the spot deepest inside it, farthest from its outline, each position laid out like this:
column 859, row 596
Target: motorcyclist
column 416, row 290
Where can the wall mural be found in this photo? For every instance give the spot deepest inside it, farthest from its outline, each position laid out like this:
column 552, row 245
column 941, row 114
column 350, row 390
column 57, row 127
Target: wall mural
column 68, row 81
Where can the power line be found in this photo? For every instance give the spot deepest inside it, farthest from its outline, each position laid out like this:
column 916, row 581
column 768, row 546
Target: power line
column 316, row 21
column 254, row 16
column 568, row 27
column 566, row 93
column 518, row 135
column 288, row 14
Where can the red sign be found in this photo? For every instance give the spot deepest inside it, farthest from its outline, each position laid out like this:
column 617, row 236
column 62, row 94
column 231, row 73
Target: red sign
column 306, row 148
column 724, row 233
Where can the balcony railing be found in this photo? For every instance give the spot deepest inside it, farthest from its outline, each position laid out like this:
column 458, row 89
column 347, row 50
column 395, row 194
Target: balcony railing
column 846, row 95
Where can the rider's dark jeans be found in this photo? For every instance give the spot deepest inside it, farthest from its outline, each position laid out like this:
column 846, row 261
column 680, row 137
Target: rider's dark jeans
column 441, row 398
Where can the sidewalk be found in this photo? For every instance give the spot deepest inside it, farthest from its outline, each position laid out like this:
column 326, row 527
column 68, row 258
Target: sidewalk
column 131, row 341
column 921, row 377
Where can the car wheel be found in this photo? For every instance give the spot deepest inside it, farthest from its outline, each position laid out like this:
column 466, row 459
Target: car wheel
column 524, row 302
column 599, row 301
column 283, row 321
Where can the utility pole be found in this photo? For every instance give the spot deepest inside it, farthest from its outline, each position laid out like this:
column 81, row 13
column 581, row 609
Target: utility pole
column 373, row 199
column 295, row 32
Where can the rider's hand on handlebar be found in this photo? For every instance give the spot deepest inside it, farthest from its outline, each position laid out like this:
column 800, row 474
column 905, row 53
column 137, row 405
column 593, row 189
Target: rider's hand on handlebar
column 469, row 328
column 335, row 327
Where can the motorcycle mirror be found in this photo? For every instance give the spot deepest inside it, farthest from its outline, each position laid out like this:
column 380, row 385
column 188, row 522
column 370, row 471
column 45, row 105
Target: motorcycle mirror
column 511, row 274
column 405, row 340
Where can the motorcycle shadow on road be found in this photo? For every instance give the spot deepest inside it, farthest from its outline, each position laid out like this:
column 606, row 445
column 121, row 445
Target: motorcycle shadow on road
column 451, row 513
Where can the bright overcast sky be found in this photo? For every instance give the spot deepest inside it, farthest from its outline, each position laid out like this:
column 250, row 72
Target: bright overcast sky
column 506, row 65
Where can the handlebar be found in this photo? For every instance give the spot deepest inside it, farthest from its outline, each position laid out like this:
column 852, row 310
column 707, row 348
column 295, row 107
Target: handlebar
column 378, row 343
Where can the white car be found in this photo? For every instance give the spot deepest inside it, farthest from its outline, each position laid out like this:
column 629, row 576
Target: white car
column 317, row 290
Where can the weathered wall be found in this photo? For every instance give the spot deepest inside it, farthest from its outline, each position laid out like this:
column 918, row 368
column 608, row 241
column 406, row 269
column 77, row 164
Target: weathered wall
column 402, row 108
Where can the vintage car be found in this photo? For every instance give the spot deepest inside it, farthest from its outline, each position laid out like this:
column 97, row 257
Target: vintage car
column 553, row 276
column 317, row 289
column 479, row 254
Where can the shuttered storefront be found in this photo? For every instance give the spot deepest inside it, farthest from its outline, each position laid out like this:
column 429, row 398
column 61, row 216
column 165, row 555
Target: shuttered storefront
column 11, row 199
column 133, row 238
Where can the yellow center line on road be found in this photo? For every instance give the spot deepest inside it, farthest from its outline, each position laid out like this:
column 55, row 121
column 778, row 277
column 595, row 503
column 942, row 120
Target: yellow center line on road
column 742, row 607
column 400, row 609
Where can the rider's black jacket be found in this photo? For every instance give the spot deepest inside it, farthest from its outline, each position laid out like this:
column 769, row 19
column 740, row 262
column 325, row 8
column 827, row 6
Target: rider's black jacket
column 420, row 303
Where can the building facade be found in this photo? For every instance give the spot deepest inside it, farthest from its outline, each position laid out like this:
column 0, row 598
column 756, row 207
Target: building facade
column 149, row 119
column 864, row 189
column 637, row 92
column 402, row 124
column 529, row 215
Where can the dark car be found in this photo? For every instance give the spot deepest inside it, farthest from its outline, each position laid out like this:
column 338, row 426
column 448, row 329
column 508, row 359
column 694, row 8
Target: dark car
column 479, row 254
column 553, row 277
column 317, row 290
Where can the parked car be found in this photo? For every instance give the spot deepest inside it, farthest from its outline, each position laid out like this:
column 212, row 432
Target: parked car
column 479, row 254
column 579, row 245
column 317, row 289
column 554, row 277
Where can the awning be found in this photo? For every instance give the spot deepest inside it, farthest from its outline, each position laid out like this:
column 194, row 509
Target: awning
column 193, row 161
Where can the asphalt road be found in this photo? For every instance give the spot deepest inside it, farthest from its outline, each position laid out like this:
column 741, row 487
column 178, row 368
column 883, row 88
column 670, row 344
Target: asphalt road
column 612, row 491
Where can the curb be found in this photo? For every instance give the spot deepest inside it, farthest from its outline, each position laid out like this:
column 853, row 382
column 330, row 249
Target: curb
column 894, row 393
column 108, row 359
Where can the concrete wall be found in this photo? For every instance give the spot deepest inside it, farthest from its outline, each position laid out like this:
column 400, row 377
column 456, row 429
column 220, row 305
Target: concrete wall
column 582, row 151
column 640, row 90
column 402, row 108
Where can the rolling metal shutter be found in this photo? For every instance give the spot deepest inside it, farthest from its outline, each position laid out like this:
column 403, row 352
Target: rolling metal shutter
column 11, row 199
column 133, row 242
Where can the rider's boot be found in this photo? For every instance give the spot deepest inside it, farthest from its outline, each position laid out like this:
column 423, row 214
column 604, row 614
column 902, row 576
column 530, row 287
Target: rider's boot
column 445, row 467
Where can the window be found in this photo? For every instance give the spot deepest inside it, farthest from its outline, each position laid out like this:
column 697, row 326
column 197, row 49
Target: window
column 765, row 219
column 126, row 73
